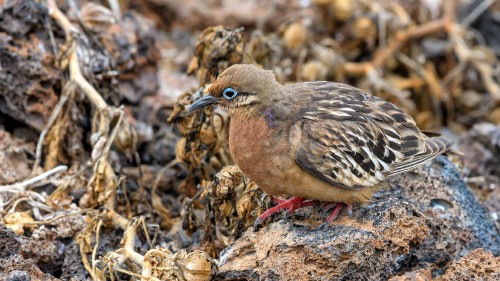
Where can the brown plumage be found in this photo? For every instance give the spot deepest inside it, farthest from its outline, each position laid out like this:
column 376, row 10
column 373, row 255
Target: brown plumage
column 320, row 141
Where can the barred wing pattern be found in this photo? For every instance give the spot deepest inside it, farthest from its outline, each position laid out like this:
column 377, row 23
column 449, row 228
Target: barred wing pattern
column 354, row 140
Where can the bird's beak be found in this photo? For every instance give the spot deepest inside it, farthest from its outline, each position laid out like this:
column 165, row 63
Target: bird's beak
column 202, row 102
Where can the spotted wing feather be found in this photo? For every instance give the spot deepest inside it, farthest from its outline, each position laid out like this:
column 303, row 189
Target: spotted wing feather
column 353, row 140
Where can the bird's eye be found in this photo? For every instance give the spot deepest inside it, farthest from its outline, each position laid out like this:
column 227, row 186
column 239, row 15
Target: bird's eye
column 229, row 93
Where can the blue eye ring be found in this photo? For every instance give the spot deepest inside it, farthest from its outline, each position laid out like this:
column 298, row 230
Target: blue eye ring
column 229, row 93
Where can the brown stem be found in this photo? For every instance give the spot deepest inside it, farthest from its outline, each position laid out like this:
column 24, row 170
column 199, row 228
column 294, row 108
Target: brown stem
column 401, row 37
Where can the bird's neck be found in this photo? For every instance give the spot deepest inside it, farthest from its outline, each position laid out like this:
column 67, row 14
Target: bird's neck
column 271, row 119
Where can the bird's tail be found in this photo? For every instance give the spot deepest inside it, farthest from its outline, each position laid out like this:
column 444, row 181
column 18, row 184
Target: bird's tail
column 436, row 144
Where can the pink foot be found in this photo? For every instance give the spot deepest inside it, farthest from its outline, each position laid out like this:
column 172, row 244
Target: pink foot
column 336, row 211
column 291, row 205
column 328, row 206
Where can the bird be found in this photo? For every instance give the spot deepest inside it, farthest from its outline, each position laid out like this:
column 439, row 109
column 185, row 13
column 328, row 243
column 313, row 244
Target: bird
column 317, row 141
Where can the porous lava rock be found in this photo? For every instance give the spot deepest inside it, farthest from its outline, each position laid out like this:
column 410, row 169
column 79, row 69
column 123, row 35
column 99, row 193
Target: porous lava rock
column 477, row 265
column 23, row 258
column 426, row 218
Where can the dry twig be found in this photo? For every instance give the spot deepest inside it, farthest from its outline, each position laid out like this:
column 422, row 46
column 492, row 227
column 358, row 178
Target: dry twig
column 18, row 187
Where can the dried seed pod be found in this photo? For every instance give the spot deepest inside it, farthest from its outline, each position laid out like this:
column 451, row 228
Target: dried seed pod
column 208, row 135
column 249, row 204
column 126, row 137
column 97, row 18
column 470, row 100
column 259, row 47
column 364, row 28
column 326, row 54
column 226, row 181
column 165, row 265
column 159, row 263
column 314, row 71
column 197, row 266
column 295, row 36
column 343, row 9
column 237, row 202
column 217, row 48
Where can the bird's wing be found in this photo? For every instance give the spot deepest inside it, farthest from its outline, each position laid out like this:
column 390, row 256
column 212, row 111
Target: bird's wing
column 353, row 140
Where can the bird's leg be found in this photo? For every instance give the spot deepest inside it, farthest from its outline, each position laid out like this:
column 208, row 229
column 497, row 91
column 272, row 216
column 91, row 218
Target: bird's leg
column 303, row 204
column 277, row 200
column 291, row 205
column 328, row 206
column 336, row 211
column 349, row 209
column 293, row 208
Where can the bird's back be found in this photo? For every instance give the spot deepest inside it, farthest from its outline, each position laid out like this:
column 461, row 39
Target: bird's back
column 353, row 139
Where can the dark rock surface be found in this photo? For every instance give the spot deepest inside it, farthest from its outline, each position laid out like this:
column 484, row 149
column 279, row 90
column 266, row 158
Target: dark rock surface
column 424, row 219
column 122, row 65
column 458, row 222
column 477, row 265
column 23, row 258
column 28, row 76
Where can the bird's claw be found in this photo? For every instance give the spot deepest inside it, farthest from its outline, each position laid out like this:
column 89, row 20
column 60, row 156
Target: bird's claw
column 296, row 203
column 349, row 210
column 256, row 224
column 290, row 205
column 327, row 207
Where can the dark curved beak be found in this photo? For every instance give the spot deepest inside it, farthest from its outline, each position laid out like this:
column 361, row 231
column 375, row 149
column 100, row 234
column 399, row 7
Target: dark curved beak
column 202, row 102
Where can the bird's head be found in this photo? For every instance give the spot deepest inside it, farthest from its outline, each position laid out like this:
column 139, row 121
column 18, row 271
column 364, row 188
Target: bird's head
column 242, row 88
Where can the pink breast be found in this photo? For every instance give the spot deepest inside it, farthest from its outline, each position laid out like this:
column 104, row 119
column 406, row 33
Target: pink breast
column 254, row 149
column 246, row 141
